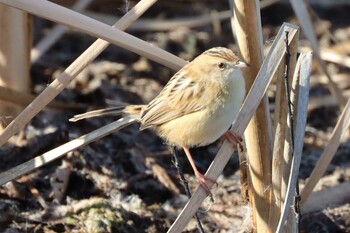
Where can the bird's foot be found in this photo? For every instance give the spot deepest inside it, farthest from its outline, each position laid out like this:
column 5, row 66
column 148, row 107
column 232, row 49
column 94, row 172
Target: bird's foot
column 202, row 179
column 234, row 139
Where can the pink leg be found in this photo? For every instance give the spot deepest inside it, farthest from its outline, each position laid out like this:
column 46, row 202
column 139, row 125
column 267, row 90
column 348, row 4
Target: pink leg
column 234, row 139
column 200, row 177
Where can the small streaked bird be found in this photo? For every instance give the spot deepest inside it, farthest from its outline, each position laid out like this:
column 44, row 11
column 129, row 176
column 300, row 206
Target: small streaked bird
column 196, row 107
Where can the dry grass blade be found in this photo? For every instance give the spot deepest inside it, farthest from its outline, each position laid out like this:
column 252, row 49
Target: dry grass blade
column 300, row 10
column 259, row 88
column 338, row 134
column 53, row 154
column 56, row 33
column 304, row 62
column 73, row 70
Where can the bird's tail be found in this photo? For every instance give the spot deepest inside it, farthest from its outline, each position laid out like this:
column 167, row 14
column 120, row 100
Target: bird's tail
column 132, row 110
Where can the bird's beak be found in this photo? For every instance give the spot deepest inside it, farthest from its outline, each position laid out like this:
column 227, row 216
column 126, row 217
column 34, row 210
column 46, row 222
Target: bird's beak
column 241, row 64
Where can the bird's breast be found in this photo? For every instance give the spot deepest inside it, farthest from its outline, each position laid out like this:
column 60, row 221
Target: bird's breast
column 206, row 126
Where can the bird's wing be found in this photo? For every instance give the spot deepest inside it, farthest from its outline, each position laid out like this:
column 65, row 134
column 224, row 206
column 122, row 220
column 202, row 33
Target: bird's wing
column 181, row 96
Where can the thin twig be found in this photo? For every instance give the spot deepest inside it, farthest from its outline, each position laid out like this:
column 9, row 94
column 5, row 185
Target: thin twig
column 185, row 183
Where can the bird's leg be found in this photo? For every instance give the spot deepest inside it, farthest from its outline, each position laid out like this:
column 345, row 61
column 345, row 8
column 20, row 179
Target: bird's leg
column 234, row 139
column 202, row 179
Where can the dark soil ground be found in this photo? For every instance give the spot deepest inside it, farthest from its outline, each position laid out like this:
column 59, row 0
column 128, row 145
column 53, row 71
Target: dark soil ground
column 117, row 184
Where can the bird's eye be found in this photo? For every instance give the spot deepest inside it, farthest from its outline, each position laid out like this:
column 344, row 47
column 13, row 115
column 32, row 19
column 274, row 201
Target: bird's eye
column 222, row 65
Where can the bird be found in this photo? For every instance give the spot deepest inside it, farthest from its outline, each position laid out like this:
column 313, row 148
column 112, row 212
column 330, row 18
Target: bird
column 196, row 107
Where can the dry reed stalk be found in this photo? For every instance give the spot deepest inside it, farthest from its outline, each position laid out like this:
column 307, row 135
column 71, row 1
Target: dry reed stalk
column 268, row 68
column 52, row 11
column 15, row 43
column 56, row 153
column 258, row 135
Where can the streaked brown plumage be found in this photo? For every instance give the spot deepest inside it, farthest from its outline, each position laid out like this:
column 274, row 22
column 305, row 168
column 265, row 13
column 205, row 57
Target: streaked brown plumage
column 196, row 106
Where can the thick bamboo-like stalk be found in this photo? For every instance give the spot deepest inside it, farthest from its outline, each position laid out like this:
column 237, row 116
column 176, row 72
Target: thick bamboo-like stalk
column 247, row 25
column 15, row 42
column 339, row 132
column 268, row 69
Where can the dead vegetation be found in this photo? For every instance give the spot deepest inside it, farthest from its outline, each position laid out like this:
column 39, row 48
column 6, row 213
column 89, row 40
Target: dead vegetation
column 126, row 181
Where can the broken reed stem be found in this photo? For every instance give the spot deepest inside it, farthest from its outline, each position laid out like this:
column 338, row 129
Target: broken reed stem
column 279, row 129
column 293, row 219
column 280, row 134
column 304, row 73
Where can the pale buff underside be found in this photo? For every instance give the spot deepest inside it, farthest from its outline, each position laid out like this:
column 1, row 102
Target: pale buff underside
column 205, row 126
